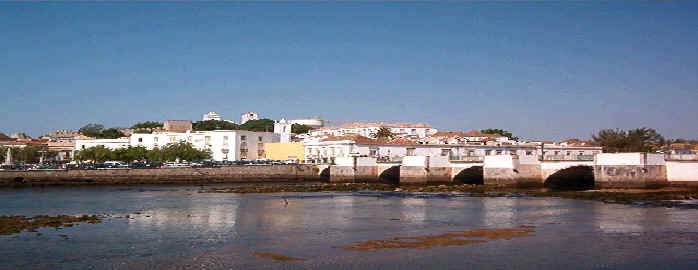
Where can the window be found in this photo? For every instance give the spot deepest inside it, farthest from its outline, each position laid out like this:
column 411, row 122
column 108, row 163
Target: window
column 557, row 153
column 568, row 153
column 445, row 152
column 207, row 140
column 260, row 153
column 243, row 153
column 413, row 131
column 83, row 147
column 373, row 151
column 155, row 139
column 410, row 151
column 529, row 153
column 260, row 138
column 243, row 145
column 243, row 138
column 225, row 140
column 140, row 139
column 471, row 153
column 260, row 146
column 488, row 152
column 173, row 139
column 499, row 152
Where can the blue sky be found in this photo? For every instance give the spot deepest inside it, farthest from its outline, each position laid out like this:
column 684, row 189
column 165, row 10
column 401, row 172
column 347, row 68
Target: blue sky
column 542, row 70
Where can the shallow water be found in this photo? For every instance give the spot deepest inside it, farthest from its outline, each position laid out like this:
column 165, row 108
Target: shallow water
column 180, row 228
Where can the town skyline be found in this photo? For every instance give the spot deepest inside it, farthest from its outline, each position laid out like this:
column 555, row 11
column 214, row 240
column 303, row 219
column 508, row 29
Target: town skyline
column 553, row 72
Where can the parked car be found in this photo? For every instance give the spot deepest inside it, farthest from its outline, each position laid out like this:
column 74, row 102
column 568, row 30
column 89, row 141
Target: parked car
column 177, row 165
column 145, row 165
column 114, row 164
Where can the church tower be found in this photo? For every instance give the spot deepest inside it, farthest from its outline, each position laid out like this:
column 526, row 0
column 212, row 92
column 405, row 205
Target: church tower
column 283, row 128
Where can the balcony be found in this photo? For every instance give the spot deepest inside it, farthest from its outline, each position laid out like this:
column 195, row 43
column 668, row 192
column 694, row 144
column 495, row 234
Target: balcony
column 466, row 158
column 679, row 157
column 395, row 159
column 568, row 157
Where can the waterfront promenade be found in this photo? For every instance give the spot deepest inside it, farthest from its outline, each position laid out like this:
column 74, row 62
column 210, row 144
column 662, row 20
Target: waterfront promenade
column 623, row 170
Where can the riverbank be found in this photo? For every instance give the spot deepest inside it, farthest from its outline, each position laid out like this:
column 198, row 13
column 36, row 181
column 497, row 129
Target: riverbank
column 185, row 176
column 667, row 196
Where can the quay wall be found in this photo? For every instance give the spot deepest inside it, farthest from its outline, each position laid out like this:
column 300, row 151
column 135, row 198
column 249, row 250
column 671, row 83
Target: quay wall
column 682, row 171
column 630, row 170
column 232, row 174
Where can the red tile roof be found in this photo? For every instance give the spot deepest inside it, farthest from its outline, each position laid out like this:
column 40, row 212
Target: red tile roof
column 472, row 133
column 358, row 139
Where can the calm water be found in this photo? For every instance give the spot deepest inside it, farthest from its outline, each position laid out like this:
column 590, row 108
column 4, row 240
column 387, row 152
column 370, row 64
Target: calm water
column 179, row 228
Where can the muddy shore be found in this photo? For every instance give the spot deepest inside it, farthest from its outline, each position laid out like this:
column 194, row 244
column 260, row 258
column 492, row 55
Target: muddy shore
column 667, row 196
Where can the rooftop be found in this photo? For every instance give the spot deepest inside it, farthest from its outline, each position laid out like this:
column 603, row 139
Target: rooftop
column 472, row 133
column 372, row 125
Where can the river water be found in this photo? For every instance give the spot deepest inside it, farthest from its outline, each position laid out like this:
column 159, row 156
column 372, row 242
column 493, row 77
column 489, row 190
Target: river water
column 181, row 228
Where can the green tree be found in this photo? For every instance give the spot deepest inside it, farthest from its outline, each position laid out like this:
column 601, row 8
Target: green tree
column 136, row 153
column 259, row 125
column 300, row 128
column 111, row 133
column 147, row 125
column 92, row 130
column 155, row 155
column 214, row 125
column 97, row 154
column 385, row 133
column 500, row 132
column 184, row 151
column 31, row 154
column 634, row 140
column 3, row 153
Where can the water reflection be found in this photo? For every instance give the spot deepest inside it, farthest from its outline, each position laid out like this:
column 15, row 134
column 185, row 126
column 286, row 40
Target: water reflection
column 177, row 228
column 614, row 218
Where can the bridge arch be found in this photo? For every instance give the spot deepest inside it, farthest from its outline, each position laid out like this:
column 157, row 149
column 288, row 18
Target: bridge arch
column 579, row 177
column 325, row 174
column 474, row 175
column 390, row 175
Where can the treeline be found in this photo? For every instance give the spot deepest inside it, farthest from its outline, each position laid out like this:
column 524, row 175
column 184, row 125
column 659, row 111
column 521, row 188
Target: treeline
column 171, row 152
column 260, row 125
column 98, row 131
column 146, row 127
column 27, row 154
column 633, row 140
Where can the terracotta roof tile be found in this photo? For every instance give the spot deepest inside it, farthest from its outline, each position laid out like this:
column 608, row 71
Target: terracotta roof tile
column 472, row 133
column 358, row 139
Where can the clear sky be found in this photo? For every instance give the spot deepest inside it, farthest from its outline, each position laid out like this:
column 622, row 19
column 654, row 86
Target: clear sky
column 542, row 70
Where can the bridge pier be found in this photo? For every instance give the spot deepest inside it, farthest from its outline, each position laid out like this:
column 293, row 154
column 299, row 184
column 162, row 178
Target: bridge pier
column 630, row 170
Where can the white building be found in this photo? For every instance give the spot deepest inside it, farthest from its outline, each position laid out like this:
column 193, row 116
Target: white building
column 324, row 151
column 472, row 137
column 248, row 116
column 369, row 130
column 314, row 122
column 211, row 116
column 113, row 144
column 283, row 128
column 223, row 144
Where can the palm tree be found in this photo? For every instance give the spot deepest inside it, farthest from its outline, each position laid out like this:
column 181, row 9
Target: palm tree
column 384, row 133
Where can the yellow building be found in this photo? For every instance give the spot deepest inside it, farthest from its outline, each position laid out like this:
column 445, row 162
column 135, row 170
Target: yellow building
column 285, row 151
